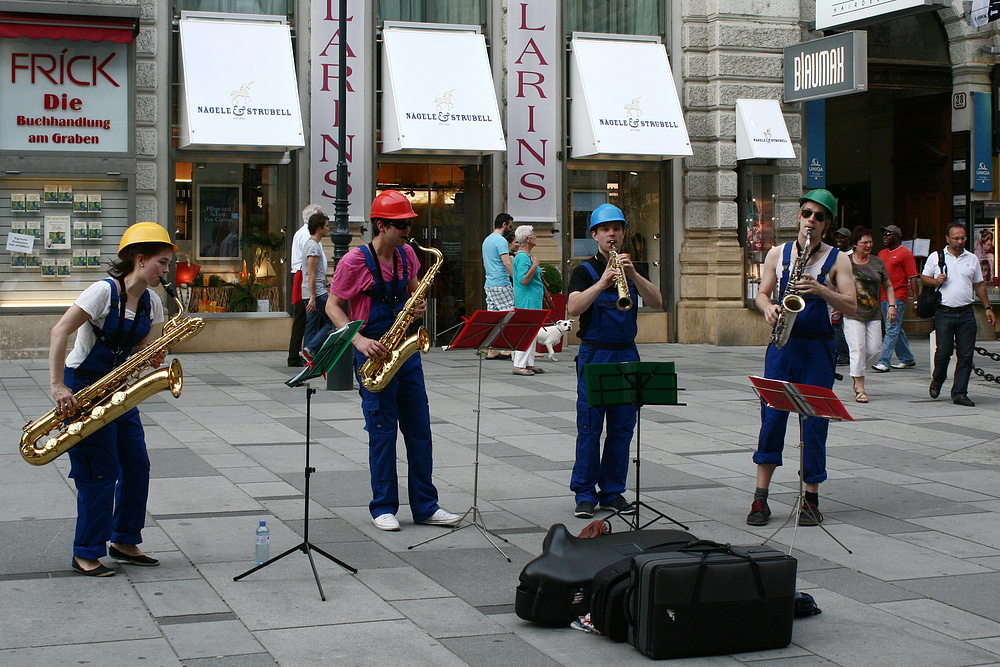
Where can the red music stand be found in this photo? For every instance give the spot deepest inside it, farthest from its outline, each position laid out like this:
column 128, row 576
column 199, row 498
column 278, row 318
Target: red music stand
column 807, row 401
column 499, row 330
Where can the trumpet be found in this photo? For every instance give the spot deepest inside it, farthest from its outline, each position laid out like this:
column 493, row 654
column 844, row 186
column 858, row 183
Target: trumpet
column 621, row 282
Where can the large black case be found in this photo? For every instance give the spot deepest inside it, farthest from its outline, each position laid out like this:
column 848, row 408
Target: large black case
column 711, row 599
column 607, row 602
column 555, row 588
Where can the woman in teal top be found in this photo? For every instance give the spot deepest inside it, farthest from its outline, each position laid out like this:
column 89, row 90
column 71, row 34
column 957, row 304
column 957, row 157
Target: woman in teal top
column 528, row 292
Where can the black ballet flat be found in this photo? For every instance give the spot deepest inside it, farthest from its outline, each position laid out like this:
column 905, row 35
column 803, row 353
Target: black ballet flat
column 99, row 571
column 134, row 560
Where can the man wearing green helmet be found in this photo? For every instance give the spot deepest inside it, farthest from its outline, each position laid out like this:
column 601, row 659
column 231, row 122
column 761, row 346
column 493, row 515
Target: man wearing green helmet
column 809, row 355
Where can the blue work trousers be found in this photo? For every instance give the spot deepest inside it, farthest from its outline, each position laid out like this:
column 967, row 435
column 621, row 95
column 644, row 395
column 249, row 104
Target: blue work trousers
column 592, row 470
column 403, row 405
column 807, row 362
column 111, row 472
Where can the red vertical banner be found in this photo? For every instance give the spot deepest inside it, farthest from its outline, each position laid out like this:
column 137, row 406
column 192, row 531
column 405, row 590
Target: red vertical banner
column 533, row 66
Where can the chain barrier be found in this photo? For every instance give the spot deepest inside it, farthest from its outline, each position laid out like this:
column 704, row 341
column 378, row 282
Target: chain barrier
column 979, row 371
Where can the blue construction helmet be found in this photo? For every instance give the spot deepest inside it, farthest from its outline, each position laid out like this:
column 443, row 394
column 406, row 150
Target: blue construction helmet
column 606, row 213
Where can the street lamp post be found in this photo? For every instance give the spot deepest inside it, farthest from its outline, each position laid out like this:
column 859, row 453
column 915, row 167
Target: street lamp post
column 341, row 376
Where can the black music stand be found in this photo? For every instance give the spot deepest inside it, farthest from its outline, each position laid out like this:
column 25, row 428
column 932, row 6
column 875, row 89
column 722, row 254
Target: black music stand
column 331, row 350
column 500, row 330
column 806, row 401
column 635, row 383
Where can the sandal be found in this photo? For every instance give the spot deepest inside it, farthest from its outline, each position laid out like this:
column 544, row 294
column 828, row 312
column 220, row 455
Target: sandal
column 861, row 397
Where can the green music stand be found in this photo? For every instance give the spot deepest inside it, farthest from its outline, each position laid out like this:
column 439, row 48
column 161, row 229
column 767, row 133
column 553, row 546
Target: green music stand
column 635, row 383
column 335, row 345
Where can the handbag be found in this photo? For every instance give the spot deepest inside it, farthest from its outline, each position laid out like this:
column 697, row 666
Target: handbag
column 930, row 297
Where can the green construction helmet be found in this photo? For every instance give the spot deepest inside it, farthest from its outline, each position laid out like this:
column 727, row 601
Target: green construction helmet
column 823, row 198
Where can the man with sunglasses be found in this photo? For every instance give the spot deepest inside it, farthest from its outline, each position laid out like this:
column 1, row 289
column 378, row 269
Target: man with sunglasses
column 375, row 280
column 902, row 270
column 809, row 356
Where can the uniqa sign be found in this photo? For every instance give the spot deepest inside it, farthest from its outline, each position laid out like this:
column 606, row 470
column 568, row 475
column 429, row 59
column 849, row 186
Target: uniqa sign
column 828, row 67
column 62, row 95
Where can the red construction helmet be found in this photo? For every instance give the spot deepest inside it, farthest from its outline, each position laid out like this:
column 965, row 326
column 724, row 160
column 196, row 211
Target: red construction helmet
column 392, row 205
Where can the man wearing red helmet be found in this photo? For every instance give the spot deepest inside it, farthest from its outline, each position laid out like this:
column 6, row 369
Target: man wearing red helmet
column 375, row 280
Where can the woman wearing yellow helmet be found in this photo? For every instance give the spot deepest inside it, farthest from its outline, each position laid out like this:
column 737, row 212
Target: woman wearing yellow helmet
column 111, row 318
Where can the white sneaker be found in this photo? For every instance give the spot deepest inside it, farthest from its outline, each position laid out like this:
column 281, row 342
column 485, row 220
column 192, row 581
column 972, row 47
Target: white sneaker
column 442, row 518
column 386, row 522
column 901, row 365
column 880, row 368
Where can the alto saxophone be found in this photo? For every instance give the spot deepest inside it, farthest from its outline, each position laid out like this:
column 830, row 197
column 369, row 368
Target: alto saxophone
column 792, row 304
column 376, row 372
column 102, row 402
column 621, row 282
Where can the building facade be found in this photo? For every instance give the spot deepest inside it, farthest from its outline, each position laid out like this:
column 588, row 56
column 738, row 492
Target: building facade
column 185, row 113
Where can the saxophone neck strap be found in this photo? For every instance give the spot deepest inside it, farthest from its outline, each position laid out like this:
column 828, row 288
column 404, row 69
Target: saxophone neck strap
column 121, row 345
column 379, row 291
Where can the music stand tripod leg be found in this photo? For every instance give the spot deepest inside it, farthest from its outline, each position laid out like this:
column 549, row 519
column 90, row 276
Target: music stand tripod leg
column 477, row 516
column 305, row 546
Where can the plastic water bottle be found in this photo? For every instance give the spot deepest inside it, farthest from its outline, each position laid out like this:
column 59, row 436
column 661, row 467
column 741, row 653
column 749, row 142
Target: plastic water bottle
column 263, row 540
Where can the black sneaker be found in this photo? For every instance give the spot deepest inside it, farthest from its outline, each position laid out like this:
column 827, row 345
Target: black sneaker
column 584, row 510
column 810, row 515
column 620, row 506
column 760, row 513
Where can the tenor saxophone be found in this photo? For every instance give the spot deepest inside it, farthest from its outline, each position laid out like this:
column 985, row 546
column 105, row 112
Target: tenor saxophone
column 113, row 395
column 791, row 304
column 621, row 282
column 376, row 372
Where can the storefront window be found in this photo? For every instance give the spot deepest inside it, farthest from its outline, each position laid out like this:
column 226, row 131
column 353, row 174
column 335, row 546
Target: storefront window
column 758, row 210
column 229, row 225
column 272, row 7
column 637, row 194
column 470, row 12
column 622, row 17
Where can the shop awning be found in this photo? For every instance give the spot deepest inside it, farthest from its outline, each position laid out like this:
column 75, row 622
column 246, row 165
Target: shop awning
column 116, row 29
column 239, row 89
column 624, row 100
column 761, row 130
column 438, row 94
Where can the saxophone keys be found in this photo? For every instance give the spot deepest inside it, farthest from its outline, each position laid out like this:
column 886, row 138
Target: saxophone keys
column 98, row 412
column 72, row 429
column 118, row 398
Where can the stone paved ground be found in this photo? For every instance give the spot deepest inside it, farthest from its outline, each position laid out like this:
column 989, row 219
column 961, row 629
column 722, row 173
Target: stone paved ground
column 913, row 491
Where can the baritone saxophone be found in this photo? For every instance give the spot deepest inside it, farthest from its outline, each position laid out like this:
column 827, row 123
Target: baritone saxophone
column 113, row 395
column 377, row 372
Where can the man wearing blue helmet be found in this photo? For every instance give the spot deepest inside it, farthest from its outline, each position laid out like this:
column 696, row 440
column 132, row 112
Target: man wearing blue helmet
column 809, row 355
column 607, row 335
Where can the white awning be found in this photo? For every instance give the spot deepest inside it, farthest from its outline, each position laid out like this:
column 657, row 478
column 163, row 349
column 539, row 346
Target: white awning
column 239, row 89
column 761, row 131
column 624, row 100
column 438, row 94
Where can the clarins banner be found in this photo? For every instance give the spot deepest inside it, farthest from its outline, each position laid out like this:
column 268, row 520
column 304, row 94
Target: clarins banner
column 61, row 95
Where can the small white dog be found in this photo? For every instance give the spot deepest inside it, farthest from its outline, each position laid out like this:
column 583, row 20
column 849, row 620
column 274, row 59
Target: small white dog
column 551, row 335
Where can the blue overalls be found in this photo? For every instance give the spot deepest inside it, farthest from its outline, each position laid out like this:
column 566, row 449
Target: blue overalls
column 809, row 357
column 111, row 467
column 610, row 338
column 404, row 395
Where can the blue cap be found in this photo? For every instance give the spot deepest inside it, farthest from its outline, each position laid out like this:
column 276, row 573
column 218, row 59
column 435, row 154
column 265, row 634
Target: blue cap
column 606, row 213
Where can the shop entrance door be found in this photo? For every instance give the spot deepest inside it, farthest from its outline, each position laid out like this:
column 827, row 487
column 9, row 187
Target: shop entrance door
column 448, row 200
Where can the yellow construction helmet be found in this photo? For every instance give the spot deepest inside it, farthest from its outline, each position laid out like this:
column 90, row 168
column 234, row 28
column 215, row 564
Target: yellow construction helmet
column 144, row 232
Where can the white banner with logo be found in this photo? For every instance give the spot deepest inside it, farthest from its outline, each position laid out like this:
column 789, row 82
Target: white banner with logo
column 437, row 92
column 239, row 87
column 761, row 131
column 624, row 100
column 324, row 87
column 532, row 110
column 61, row 95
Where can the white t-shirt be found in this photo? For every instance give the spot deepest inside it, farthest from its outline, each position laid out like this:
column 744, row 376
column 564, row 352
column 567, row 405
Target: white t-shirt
column 96, row 302
column 963, row 272
column 313, row 248
column 298, row 242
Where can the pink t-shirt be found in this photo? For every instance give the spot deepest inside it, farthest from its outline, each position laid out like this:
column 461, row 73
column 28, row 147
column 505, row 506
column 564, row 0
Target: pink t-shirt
column 353, row 277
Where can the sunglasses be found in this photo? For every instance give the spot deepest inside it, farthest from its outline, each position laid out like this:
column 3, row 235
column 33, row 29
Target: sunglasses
column 808, row 213
column 401, row 224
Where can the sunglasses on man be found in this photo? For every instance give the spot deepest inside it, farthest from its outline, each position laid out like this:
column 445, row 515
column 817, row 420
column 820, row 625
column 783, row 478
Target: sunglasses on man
column 808, row 213
column 401, row 224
